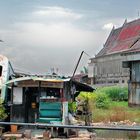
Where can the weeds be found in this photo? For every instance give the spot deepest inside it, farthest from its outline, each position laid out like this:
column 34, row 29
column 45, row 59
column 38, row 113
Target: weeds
column 109, row 104
column 115, row 93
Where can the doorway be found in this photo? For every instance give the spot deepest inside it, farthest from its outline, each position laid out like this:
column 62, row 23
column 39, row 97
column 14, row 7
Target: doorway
column 31, row 104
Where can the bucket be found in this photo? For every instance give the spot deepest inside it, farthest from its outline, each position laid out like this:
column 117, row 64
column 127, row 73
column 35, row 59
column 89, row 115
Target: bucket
column 13, row 128
column 27, row 134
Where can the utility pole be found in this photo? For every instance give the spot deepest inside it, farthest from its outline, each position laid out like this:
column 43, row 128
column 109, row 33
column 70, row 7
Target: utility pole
column 77, row 63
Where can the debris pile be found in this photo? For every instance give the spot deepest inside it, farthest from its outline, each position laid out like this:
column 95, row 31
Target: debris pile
column 125, row 122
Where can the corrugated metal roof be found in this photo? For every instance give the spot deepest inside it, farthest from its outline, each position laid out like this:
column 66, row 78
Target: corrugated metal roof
column 82, row 86
column 110, row 41
column 34, row 78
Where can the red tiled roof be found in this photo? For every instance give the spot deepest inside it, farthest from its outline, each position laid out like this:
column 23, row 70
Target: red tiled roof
column 122, row 39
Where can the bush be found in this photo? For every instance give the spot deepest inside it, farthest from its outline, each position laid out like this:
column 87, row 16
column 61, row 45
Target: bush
column 115, row 93
column 87, row 95
column 72, row 107
column 95, row 99
column 102, row 97
column 102, row 101
column 86, row 99
column 3, row 114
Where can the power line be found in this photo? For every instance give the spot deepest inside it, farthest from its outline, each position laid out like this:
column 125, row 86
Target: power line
column 87, row 54
column 83, row 52
column 23, row 71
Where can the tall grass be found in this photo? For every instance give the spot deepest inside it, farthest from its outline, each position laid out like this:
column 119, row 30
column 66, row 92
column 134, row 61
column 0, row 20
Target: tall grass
column 115, row 93
column 109, row 104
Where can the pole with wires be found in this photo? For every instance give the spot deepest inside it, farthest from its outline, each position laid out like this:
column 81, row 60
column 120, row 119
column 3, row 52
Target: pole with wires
column 77, row 63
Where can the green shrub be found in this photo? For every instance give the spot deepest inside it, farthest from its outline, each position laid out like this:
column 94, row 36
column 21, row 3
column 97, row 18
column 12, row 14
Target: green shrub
column 115, row 93
column 87, row 98
column 3, row 114
column 72, row 107
column 102, row 101
column 87, row 95
column 95, row 99
column 125, row 93
column 102, row 97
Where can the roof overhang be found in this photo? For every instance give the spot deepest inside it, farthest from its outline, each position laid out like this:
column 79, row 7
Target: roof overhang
column 130, row 56
column 31, row 81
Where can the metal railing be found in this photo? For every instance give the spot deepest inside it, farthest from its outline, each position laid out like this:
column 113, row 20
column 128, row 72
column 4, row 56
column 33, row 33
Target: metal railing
column 122, row 127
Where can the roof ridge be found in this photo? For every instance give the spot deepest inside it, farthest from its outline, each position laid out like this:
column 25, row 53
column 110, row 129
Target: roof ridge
column 133, row 21
column 112, row 30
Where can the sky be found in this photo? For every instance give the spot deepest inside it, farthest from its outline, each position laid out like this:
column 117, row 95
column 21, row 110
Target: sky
column 41, row 36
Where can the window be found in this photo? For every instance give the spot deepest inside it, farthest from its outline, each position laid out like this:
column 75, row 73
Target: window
column 17, row 95
column 116, row 81
column 50, row 92
column 0, row 70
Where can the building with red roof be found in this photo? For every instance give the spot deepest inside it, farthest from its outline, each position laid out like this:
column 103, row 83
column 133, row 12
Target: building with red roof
column 106, row 67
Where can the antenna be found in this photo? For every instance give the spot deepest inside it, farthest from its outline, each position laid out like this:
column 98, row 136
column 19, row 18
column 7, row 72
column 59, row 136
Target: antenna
column 138, row 13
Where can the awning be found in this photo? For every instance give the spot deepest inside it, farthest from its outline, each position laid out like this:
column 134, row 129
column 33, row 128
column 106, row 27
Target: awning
column 32, row 79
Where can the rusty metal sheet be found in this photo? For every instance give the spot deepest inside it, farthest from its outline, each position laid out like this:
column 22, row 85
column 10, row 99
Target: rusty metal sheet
column 134, row 93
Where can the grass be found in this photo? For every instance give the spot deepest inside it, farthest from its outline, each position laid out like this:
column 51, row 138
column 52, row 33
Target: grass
column 109, row 104
column 115, row 93
column 118, row 111
column 119, row 104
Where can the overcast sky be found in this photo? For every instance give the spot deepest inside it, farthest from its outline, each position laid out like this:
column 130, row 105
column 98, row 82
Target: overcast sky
column 40, row 35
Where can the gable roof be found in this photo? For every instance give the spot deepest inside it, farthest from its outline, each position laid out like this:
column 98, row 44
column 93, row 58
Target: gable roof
column 125, row 38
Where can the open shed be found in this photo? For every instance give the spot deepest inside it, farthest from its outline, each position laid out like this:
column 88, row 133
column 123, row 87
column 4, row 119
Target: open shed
column 36, row 99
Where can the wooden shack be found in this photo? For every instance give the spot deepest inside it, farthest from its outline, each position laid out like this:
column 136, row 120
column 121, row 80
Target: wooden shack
column 36, row 99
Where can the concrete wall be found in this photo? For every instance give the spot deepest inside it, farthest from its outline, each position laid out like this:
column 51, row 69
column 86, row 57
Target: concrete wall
column 108, row 70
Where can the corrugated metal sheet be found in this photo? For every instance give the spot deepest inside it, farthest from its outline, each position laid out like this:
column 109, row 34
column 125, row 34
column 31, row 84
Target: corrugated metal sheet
column 32, row 78
column 129, row 31
column 135, row 72
column 134, row 94
column 110, row 41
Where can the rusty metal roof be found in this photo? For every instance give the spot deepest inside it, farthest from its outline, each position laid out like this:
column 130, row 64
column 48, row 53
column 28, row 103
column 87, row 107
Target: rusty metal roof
column 125, row 38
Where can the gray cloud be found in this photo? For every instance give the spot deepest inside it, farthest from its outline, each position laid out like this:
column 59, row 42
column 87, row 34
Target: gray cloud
column 38, row 47
column 38, row 37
